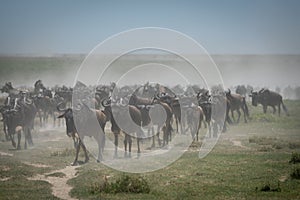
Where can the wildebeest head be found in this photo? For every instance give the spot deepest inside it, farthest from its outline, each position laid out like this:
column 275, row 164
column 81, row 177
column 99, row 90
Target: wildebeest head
column 255, row 98
column 8, row 86
column 68, row 115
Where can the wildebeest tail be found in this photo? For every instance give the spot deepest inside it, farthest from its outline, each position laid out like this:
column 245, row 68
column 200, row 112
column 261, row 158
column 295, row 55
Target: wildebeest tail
column 245, row 107
column 284, row 108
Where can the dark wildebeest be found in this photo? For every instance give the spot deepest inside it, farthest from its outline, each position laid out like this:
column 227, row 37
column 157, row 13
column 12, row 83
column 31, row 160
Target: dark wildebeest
column 66, row 93
column 173, row 102
column 129, row 119
column 194, row 117
column 157, row 111
column 10, row 90
column 215, row 108
column 3, row 108
column 204, row 101
column 267, row 98
column 44, row 107
column 20, row 118
column 86, row 128
column 237, row 102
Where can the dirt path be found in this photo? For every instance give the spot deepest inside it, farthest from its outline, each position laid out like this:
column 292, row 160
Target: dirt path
column 60, row 188
column 239, row 144
column 5, row 154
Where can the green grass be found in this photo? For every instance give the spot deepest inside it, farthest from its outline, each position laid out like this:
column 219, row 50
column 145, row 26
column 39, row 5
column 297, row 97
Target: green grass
column 17, row 186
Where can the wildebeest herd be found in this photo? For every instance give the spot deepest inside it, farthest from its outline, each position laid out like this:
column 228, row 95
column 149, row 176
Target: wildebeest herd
column 128, row 110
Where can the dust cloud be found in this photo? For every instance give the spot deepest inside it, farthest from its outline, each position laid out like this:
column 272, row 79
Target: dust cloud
column 271, row 71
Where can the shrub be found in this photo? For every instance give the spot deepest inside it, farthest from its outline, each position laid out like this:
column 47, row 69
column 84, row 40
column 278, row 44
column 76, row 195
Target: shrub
column 124, row 184
column 296, row 173
column 295, row 158
column 268, row 188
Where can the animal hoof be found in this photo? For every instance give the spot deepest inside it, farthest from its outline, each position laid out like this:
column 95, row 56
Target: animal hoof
column 19, row 148
column 74, row 164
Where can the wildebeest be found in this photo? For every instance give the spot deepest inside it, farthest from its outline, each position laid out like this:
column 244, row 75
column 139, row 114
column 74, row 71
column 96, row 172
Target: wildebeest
column 10, row 90
column 194, row 117
column 173, row 102
column 237, row 102
column 125, row 117
column 160, row 108
column 215, row 108
column 204, row 101
column 85, row 127
column 66, row 93
column 266, row 98
column 153, row 105
column 44, row 107
column 3, row 108
column 20, row 118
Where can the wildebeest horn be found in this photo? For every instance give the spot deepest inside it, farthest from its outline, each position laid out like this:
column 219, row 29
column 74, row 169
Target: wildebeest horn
column 106, row 102
column 59, row 109
column 28, row 101
column 157, row 96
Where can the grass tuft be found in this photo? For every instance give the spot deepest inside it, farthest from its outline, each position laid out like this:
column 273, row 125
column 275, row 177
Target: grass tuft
column 295, row 158
column 124, row 184
column 64, row 153
column 268, row 188
column 296, row 173
column 56, row 174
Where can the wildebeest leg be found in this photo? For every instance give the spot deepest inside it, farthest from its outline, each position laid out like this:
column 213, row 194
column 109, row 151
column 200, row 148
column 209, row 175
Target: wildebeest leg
column 274, row 110
column 25, row 139
column 158, row 133
column 138, row 145
column 75, row 141
column 245, row 115
column 153, row 137
column 29, row 137
column 265, row 109
column 198, row 129
column 239, row 113
column 77, row 152
column 284, row 108
column 232, row 115
column 12, row 140
column 279, row 109
column 85, row 152
column 129, row 145
column 215, row 129
column 209, row 128
column 166, row 131
column 100, row 138
column 5, row 131
column 224, row 129
column 40, row 116
column 54, row 120
column 176, row 121
column 116, row 144
column 125, row 145
column 19, row 139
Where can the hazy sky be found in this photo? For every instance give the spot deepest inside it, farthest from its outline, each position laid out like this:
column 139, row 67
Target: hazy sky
column 221, row 26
